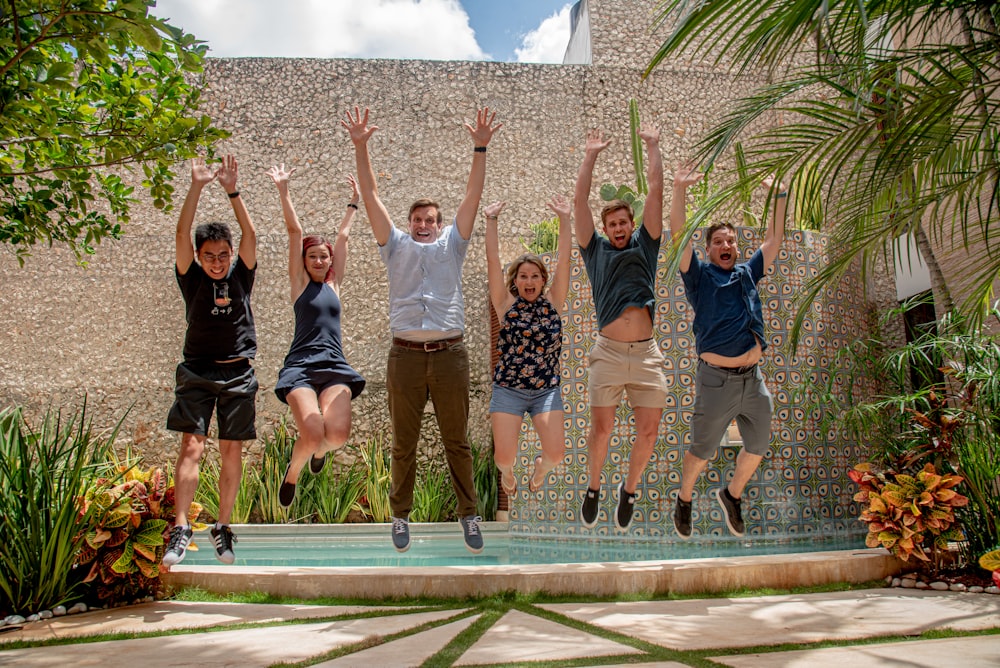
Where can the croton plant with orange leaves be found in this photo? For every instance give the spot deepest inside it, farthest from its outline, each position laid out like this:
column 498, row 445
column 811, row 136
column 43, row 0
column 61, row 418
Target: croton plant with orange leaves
column 909, row 515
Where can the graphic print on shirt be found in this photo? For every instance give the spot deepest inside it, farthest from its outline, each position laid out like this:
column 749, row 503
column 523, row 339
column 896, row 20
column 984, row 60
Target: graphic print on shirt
column 222, row 299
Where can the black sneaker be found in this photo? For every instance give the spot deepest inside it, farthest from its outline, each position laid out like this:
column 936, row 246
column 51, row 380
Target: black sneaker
column 316, row 464
column 177, row 545
column 473, row 536
column 223, row 539
column 590, row 508
column 286, row 493
column 731, row 511
column 682, row 518
column 626, row 504
column 400, row 534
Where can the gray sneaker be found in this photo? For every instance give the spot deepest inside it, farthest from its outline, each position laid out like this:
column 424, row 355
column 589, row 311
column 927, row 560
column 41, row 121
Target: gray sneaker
column 177, row 545
column 731, row 511
column 473, row 536
column 400, row 534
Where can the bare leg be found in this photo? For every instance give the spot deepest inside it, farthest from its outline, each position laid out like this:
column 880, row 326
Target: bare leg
column 335, row 402
column 506, row 431
column 746, row 466
column 647, row 429
column 550, row 427
column 309, row 421
column 602, row 420
column 690, row 470
column 186, row 475
column 230, row 476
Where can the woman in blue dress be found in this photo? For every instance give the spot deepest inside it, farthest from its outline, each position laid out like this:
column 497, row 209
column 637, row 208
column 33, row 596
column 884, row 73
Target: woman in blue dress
column 527, row 378
column 316, row 381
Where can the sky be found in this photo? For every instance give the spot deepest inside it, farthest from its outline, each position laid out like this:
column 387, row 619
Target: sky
column 529, row 31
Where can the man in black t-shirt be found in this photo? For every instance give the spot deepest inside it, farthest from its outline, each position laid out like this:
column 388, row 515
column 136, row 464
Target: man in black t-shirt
column 216, row 375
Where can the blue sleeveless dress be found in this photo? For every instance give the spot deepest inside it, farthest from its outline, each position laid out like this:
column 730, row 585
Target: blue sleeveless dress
column 316, row 356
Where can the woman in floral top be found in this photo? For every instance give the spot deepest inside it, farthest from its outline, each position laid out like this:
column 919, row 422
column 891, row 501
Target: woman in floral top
column 526, row 378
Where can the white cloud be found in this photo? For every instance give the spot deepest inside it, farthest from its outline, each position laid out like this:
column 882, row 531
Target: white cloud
column 546, row 43
column 424, row 29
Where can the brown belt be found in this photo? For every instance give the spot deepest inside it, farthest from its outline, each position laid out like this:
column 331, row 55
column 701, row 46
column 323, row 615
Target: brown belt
column 426, row 346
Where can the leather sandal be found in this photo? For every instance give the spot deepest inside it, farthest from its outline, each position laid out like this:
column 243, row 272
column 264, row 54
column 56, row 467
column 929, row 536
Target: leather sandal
column 508, row 489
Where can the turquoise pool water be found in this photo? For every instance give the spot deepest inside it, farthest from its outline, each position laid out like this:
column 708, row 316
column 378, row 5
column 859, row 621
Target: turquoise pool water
column 441, row 545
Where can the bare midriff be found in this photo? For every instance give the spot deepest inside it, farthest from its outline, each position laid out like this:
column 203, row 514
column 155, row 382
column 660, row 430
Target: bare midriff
column 751, row 356
column 634, row 324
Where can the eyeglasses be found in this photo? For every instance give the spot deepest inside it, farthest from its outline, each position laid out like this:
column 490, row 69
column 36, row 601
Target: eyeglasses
column 221, row 257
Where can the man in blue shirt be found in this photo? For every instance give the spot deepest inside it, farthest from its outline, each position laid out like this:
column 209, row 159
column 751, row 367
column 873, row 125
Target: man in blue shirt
column 626, row 358
column 428, row 357
column 729, row 339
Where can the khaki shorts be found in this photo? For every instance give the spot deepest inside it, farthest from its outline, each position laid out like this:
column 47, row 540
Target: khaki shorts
column 634, row 368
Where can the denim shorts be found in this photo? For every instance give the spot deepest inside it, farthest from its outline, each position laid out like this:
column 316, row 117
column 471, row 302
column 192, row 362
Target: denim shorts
column 518, row 402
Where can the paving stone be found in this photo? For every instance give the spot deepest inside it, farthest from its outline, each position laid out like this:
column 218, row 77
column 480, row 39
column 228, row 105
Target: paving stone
column 518, row 636
column 222, row 649
column 770, row 620
column 164, row 615
column 409, row 651
column 975, row 652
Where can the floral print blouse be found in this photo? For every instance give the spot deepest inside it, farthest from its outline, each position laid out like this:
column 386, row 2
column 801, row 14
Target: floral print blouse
column 530, row 342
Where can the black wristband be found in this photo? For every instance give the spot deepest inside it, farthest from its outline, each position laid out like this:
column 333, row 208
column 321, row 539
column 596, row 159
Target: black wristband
column 480, row 149
column 780, row 195
column 234, row 195
column 352, row 205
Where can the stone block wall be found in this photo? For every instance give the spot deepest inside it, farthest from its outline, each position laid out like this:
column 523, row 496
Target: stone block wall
column 114, row 330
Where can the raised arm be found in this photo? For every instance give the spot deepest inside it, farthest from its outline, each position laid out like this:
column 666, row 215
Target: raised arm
column 465, row 217
column 652, row 211
column 360, row 132
column 583, row 219
column 775, row 233
column 228, row 173
column 297, row 275
column 560, row 275
column 685, row 176
column 201, row 176
column 500, row 296
column 340, row 245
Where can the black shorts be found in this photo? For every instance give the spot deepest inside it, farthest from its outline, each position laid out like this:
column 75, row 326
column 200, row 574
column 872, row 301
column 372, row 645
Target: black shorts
column 229, row 390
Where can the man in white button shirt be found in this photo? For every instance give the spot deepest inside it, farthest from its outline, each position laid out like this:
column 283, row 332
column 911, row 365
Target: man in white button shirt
column 428, row 358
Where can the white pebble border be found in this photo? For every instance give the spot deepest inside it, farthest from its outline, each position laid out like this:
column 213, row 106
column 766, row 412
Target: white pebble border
column 913, row 581
column 60, row 611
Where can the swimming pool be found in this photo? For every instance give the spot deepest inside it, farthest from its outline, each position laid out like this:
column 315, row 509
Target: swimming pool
column 345, row 546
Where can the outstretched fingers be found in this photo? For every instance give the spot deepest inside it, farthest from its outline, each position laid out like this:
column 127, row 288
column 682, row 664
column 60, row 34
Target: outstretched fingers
column 560, row 205
column 596, row 141
column 356, row 124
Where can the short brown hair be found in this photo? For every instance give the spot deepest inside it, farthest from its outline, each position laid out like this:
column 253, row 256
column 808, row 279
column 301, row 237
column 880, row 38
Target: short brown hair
column 615, row 205
column 715, row 227
column 516, row 265
column 421, row 203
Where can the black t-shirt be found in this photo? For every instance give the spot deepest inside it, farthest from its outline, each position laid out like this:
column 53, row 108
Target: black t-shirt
column 218, row 313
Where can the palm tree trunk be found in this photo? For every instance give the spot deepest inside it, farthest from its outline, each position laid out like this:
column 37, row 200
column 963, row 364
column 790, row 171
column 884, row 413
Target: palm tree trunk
column 943, row 302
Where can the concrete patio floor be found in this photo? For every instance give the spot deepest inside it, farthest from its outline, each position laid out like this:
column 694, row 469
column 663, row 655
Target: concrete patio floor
column 867, row 628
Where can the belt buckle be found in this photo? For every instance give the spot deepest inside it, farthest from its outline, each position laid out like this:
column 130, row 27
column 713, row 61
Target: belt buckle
column 432, row 346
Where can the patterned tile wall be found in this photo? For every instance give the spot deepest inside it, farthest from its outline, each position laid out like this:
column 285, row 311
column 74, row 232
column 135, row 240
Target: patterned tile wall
column 802, row 485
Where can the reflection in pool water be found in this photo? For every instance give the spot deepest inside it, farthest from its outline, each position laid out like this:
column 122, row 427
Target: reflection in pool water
column 441, row 545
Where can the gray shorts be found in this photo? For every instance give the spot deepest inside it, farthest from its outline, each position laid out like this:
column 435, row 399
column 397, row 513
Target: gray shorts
column 720, row 396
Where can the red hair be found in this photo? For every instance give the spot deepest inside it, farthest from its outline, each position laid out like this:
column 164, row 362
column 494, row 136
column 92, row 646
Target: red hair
column 316, row 240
